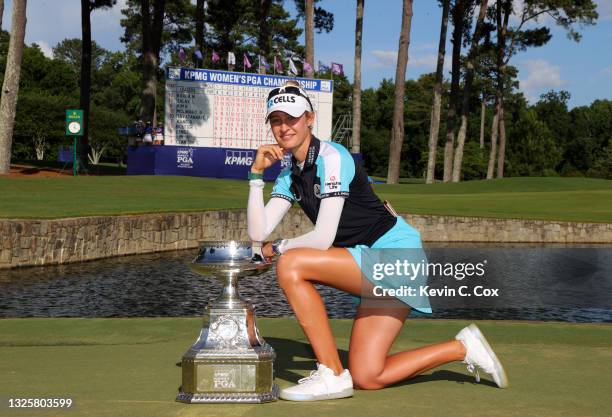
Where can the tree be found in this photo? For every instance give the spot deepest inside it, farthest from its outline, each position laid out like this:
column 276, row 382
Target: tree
column 587, row 131
column 534, row 150
column 437, row 99
column 69, row 51
column 323, row 20
column 603, row 165
column 564, row 13
column 104, row 136
column 242, row 26
column 1, row 13
column 493, row 148
column 117, row 84
column 177, row 24
column 87, row 6
column 200, row 30
column 152, row 29
column 151, row 45
column 459, row 15
column 314, row 18
column 356, row 146
column 397, row 129
column 469, row 79
column 309, row 26
column 10, row 86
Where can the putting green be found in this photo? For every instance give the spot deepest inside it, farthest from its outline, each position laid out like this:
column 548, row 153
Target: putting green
column 127, row 367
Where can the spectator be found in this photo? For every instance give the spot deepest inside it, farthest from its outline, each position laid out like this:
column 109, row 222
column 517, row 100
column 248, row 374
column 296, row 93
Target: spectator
column 159, row 135
column 148, row 134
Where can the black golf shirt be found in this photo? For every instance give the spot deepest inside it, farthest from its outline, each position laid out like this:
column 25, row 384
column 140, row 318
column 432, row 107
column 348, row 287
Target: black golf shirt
column 329, row 171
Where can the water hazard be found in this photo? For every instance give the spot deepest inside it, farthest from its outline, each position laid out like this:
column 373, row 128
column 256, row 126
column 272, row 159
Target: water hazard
column 579, row 280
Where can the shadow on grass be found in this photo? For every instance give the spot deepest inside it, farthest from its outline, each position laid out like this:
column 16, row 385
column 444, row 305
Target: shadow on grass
column 445, row 375
column 293, row 355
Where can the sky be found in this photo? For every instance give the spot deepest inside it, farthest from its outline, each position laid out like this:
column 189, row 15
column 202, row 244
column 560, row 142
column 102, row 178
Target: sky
column 584, row 69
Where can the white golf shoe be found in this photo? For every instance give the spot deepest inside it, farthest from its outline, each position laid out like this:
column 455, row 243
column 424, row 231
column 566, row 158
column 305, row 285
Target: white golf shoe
column 321, row 384
column 480, row 355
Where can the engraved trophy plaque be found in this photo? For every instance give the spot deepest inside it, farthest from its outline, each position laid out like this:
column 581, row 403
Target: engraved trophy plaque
column 229, row 362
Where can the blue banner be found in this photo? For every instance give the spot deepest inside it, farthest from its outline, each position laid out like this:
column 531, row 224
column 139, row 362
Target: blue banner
column 199, row 162
column 245, row 79
column 196, row 161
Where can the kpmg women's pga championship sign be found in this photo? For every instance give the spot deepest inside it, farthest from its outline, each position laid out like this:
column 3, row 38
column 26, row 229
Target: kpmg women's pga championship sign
column 215, row 121
column 206, row 108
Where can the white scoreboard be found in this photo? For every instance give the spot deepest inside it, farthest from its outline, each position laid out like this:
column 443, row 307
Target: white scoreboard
column 223, row 109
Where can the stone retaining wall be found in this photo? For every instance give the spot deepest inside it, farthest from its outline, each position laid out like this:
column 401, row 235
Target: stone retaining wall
column 44, row 242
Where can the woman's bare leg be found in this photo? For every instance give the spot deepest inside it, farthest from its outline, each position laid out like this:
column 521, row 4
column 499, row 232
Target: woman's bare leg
column 374, row 330
column 297, row 271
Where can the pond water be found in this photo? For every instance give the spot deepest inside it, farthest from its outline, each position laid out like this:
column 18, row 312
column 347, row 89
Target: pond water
column 556, row 283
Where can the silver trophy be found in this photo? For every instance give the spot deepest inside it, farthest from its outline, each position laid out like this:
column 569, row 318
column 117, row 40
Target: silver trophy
column 229, row 362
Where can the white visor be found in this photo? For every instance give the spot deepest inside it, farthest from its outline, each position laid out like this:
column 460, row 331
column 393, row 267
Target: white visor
column 291, row 104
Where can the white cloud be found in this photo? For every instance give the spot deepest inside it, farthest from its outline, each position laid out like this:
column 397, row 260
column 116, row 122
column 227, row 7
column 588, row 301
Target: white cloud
column 383, row 59
column 541, row 75
column 45, row 48
column 607, row 71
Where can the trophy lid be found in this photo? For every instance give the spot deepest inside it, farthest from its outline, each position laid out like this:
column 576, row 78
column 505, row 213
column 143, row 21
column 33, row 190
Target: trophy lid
column 228, row 257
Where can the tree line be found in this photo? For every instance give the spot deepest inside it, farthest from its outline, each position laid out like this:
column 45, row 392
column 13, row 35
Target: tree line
column 475, row 124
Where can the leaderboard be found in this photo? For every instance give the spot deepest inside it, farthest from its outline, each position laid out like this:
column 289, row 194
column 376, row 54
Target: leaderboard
column 223, row 109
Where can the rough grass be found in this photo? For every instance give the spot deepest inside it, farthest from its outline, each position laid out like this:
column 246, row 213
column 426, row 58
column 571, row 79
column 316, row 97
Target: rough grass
column 569, row 199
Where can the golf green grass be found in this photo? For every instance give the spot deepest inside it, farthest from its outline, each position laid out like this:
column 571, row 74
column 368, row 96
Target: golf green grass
column 128, row 367
column 551, row 198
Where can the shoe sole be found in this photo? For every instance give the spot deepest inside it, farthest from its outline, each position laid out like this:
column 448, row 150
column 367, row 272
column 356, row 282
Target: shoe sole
column 499, row 368
column 308, row 397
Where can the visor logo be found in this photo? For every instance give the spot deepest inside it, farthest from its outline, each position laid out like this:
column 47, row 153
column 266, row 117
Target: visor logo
column 281, row 99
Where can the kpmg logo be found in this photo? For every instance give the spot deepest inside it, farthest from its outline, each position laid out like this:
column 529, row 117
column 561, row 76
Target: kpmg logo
column 244, row 158
column 184, row 158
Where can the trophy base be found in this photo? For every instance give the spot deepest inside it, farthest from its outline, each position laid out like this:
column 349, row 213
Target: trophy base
column 226, row 397
column 230, row 362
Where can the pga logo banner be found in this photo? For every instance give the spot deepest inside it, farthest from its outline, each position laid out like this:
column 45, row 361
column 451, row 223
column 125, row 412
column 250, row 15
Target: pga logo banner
column 241, row 158
column 184, row 157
